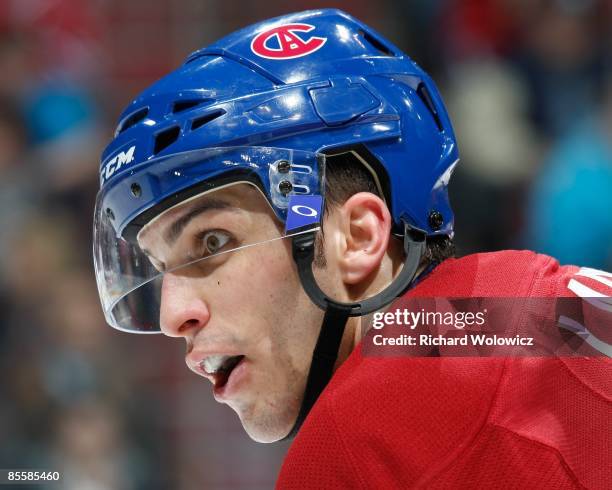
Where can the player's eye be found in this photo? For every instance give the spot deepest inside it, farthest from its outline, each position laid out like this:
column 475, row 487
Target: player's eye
column 214, row 241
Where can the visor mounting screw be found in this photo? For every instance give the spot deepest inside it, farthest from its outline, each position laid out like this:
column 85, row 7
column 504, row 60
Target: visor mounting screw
column 436, row 220
column 285, row 187
column 283, row 166
column 110, row 214
column 136, row 190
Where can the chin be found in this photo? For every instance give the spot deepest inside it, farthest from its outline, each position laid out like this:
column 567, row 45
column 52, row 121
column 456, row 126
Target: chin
column 265, row 437
column 268, row 428
column 266, row 434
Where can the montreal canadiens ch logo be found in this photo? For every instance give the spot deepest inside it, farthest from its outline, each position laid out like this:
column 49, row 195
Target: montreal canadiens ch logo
column 283, row 42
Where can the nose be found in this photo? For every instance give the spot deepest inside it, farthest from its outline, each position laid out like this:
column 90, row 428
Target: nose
column 182, row 311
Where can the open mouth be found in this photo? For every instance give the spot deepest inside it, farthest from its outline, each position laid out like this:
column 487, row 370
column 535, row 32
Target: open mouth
column 220, row 367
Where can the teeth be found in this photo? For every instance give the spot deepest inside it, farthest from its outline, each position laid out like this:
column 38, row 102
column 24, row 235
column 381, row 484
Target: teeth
column 215, row 363
column 212, row 364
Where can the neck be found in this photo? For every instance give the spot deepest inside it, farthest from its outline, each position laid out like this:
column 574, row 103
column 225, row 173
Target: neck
column 357, row 326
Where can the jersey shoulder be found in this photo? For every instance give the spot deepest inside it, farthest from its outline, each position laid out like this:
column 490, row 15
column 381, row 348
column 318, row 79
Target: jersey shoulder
column 507, row 273
column 404, row 422
column 384, row 423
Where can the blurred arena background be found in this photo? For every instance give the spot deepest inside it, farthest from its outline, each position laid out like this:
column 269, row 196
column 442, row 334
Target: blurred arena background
column 529, row 87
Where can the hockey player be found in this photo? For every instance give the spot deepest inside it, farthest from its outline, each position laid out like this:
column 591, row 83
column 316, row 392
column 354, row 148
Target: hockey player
column 284, row 182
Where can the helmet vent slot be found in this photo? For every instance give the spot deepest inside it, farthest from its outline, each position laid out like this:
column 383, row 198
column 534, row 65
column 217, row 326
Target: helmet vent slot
column 425, row 96
column 375, row 43
column 132, row 120
column 185, row 105
column 201, row 121
column 165, row 138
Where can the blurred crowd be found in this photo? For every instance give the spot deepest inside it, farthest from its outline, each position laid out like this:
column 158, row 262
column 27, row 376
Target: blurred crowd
column 528, row 84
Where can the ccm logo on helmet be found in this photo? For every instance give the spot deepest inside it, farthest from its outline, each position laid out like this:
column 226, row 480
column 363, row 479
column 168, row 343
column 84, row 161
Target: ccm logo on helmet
column 290, row 44
column 119, row 160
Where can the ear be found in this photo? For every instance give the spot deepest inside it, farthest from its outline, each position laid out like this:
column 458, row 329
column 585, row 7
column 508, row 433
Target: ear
column 366, row 223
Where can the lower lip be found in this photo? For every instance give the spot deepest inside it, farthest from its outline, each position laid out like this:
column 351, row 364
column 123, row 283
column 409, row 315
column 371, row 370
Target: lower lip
column 236, row 377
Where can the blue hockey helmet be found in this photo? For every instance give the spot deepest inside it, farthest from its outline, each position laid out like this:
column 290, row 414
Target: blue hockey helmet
column 265, row 105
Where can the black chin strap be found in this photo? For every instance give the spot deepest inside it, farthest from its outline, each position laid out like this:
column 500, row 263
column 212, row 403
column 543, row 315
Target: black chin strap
column 336, row 313
column 323, row 360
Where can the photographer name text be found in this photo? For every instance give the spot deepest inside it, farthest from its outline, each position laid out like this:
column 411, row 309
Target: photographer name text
column 456, row 319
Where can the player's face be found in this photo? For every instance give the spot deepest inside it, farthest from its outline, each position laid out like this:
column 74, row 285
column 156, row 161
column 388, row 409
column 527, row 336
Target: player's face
column 249, row 327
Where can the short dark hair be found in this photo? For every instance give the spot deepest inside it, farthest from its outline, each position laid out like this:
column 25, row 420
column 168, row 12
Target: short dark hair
column 346, row 174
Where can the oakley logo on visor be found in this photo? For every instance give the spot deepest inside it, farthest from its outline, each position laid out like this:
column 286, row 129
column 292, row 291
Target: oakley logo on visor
column 119, row 160
column 283, row 42
column 303, row 211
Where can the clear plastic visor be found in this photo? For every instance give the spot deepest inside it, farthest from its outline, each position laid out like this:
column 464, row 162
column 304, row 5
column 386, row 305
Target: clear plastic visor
column 210, row 235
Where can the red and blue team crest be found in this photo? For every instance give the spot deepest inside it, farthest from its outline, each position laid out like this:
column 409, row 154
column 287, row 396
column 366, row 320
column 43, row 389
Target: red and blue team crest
column 284, row 42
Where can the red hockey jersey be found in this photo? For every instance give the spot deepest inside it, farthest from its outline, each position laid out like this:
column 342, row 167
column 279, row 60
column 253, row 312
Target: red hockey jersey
column 387, row 423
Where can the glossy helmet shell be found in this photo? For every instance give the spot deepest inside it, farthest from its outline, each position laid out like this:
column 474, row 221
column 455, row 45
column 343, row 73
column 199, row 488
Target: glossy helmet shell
column 319, row 81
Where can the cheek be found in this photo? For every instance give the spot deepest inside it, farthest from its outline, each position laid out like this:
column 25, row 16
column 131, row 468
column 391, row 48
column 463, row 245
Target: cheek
column 263, row 298
column 257, row 297
column 267, row 271
column 257, row 284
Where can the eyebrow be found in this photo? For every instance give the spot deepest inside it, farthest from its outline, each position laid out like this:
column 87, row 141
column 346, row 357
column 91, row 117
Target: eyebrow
column 175, row 230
